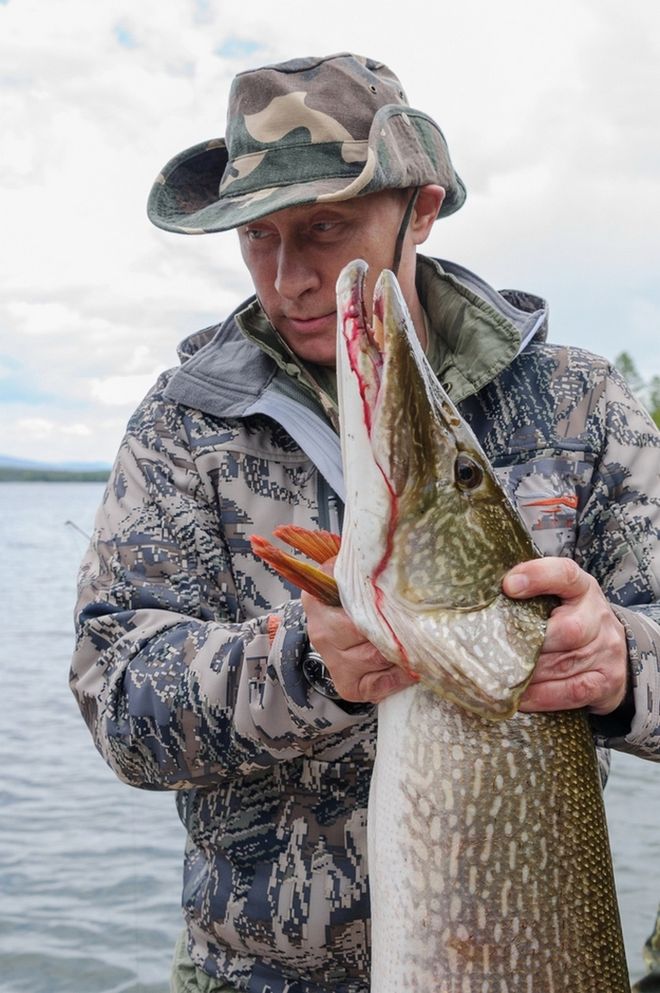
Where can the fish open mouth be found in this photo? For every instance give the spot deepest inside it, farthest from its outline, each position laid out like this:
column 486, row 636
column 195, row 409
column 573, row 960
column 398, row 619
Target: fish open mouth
column 429, row 532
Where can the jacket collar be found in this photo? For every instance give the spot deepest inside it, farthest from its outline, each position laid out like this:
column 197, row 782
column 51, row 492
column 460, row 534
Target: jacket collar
column 227, row 368
column 478, row 330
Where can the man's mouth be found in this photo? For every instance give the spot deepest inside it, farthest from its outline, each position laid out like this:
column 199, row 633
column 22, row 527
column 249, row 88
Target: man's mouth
column 311, row 324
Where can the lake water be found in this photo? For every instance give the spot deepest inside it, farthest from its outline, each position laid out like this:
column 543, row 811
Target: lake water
column 90, row 868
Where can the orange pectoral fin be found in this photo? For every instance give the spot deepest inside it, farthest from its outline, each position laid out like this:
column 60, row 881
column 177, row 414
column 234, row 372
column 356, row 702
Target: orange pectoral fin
column 317, row 545
column 302, row 574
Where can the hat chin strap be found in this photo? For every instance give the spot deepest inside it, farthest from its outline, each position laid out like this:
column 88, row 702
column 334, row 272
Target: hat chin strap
column 403, row 227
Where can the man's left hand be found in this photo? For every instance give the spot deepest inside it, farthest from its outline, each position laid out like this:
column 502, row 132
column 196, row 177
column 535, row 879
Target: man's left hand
column 584, row 659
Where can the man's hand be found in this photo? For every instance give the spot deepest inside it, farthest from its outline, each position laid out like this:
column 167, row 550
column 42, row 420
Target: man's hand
column 358, row 670
column 584, row 659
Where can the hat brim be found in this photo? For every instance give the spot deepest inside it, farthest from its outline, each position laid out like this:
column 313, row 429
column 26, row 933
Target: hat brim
column 186, row 198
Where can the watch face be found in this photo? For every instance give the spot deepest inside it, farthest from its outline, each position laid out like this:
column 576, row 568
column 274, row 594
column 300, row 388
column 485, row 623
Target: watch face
column 318, row 676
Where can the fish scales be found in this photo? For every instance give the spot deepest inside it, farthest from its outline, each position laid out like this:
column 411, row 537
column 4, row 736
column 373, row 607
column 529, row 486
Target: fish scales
column 488, row 855
column 489, row 858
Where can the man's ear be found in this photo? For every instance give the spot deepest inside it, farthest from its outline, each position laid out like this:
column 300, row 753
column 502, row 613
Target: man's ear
column 428, row 203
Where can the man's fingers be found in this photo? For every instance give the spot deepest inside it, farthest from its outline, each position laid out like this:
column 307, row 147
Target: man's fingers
column 374, row 687
column 551, row 575
column 365, row 676
column 562, row 694
column 571, row 628
column 553, row 666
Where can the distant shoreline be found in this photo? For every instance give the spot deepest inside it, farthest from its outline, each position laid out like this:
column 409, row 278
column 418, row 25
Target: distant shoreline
column 12, row 474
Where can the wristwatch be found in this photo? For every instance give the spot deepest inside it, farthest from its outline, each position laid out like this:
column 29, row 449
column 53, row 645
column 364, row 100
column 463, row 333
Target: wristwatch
column 317, row 675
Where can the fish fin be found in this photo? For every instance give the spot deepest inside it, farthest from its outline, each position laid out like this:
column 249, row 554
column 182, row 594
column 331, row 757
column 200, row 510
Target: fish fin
column 317, row 545
column 302, row 574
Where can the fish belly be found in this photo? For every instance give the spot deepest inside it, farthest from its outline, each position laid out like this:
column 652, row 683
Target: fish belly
column 489, row 858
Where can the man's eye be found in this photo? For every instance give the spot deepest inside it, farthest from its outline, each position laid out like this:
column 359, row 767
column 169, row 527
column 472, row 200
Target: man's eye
column 325, row 227
column 255, row 234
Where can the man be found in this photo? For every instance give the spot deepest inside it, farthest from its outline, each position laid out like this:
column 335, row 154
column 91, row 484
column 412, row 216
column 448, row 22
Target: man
column 185, row 681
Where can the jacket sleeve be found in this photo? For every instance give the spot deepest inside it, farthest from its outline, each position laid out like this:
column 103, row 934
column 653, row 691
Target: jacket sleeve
column 175, row 689
column 618, row 543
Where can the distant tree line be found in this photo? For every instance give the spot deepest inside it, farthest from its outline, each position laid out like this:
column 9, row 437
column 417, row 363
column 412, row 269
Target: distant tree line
column 648, row 391
column 14, row 474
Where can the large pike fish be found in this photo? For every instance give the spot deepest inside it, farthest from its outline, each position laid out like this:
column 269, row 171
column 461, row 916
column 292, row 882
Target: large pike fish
column 489, row 857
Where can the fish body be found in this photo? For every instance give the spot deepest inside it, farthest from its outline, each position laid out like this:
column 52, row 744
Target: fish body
column 489, row 857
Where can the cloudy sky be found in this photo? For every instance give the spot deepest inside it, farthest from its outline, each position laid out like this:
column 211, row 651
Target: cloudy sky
column 551, row 112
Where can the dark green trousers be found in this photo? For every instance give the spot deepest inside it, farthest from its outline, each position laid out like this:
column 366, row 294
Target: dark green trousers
column 187, row 978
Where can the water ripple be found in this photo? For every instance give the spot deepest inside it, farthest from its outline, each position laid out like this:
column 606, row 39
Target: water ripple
column 90, row 868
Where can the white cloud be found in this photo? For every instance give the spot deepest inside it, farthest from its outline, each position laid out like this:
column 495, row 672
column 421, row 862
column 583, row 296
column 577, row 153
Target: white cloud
column 7, row 368
column 34, row 319
column 117, row 391
column 58, row 437
column 35, row 428
column 77, row 430
column 546, row 109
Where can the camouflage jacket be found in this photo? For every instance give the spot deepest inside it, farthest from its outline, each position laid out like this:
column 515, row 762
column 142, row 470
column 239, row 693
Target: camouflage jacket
column 174, row 670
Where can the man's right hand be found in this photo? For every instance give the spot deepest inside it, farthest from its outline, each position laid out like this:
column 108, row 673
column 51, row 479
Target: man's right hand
column 358, row 670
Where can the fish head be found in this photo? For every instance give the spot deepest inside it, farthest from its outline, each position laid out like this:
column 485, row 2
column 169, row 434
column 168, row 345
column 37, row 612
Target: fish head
column 429, row 532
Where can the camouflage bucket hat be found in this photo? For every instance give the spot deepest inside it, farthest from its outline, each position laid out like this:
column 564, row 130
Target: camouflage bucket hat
column 305, row 131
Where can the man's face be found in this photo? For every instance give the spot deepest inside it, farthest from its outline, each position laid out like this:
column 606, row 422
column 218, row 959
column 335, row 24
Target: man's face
column 295, row 255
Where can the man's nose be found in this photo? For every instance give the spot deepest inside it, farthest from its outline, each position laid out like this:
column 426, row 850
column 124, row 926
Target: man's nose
column 295, row 273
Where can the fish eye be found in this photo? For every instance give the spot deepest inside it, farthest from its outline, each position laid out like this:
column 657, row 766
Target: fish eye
column 467, row 473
